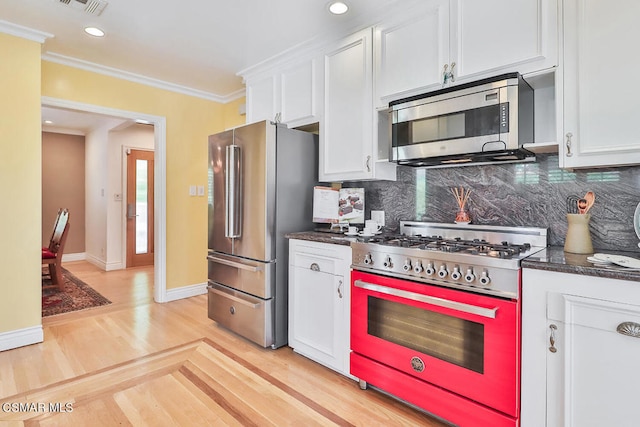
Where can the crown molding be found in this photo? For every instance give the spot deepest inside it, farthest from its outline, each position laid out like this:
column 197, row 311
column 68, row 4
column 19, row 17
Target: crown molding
column 138, row 78
column 24, row 32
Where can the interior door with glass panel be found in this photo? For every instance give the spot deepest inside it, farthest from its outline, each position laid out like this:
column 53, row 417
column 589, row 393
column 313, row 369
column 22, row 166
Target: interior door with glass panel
column 139, row 208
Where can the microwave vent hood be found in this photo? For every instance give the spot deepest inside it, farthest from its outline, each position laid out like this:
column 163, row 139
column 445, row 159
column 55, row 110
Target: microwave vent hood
column 483, row 122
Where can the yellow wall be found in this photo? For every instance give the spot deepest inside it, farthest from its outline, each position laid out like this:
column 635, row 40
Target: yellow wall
column 189, row 121
column 20, row 183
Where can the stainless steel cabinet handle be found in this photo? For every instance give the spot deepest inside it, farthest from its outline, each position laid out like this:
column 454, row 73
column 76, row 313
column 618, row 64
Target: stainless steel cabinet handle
column 314, row 267
column 568, row 144
column 552, row 338
column 440, row 302
column 368, row 163
column 630, row 329
column 340, row 289
column 233, row 191
column 252, row 268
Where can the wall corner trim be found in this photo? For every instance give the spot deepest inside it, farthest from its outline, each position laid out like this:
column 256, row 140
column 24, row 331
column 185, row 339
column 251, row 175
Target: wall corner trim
column 21, row 337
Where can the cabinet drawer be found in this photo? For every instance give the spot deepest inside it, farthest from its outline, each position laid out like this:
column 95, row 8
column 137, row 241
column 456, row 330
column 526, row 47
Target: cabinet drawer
column 244, row 314
column 591, row 312
column 316, row 263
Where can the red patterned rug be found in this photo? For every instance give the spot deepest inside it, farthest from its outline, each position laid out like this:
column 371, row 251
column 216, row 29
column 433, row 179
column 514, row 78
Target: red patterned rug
column 77, row 295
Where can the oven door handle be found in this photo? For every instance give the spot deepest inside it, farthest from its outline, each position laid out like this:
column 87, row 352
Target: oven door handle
column 440, row 302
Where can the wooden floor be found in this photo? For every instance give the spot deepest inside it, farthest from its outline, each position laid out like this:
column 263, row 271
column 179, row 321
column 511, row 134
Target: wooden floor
column 136, row 362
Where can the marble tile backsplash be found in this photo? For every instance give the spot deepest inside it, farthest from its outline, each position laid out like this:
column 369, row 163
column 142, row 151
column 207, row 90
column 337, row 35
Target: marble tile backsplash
column 520, row 194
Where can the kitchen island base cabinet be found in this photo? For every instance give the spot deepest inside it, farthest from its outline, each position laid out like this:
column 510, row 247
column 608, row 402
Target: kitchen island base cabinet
column 319, row 302
column 580, row 350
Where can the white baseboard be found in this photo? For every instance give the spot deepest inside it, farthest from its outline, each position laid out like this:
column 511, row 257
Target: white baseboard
column 96, row 261
column 80, row 256
column 102, row 265
column 21, row 337
column 185, row 292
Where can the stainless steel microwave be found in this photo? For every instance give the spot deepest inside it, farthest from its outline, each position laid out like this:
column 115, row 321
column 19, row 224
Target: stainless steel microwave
column 484, row 121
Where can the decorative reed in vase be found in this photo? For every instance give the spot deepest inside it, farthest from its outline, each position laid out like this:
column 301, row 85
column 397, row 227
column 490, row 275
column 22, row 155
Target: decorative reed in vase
column 462, row 196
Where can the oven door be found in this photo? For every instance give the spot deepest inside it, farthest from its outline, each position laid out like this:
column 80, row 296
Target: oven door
column 463, row 342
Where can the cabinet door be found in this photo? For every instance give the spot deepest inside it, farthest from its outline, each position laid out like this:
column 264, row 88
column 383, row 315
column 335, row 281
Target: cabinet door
column 346, row 131
column 410, row 54
column 317, row 310
column 299, row 94
column 600, row 116
column 495, row 36
column 262, row 100
column 599, row 359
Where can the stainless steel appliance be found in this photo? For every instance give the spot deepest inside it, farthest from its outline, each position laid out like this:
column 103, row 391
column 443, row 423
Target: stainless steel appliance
column 261, row 178
column 435, row 318
column 483, row 121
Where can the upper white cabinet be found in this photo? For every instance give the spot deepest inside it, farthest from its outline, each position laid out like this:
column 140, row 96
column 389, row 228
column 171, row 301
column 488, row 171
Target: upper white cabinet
column 472, row 39
column 348, row 140
column 410, row 52
column 580, row 348
column 599, row 126
column 290, row 93
column 262, row 98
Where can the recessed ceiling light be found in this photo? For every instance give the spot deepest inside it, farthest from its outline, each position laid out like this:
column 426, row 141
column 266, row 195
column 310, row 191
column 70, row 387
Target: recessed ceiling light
column 48, row 122
column 338, row 8
column 94, row 31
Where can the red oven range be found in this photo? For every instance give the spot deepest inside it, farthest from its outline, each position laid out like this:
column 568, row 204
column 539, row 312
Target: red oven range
column 435, row 318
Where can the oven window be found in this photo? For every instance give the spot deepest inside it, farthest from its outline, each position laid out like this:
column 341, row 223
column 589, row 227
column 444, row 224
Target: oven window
column 448, row 338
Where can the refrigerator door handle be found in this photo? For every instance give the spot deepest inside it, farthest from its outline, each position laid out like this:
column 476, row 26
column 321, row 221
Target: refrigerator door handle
column 233, row 192
column 251, row 268
column 234, row 298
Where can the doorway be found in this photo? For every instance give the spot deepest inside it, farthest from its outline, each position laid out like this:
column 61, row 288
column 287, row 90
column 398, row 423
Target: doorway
column 159, row 123
column 140, row 208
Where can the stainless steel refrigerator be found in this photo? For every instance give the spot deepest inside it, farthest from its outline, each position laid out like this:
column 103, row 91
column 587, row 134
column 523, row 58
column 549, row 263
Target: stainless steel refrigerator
column 261, row 179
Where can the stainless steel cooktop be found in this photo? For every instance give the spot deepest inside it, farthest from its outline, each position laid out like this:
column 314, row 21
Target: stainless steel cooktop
column 477, row 258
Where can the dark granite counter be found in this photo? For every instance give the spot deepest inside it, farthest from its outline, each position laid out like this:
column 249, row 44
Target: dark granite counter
column 322, row 237
column 554, row 258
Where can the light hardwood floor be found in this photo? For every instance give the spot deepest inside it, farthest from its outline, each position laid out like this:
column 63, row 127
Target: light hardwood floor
column 136, row 362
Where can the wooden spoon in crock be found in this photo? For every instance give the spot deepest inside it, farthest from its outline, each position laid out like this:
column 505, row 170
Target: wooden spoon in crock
column 590, row 197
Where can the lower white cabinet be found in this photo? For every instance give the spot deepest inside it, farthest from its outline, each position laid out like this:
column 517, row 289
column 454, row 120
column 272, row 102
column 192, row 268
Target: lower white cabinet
column 580, row 350
column 319, row 302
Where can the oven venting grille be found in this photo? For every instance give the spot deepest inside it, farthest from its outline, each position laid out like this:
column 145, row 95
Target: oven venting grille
column 92, row 7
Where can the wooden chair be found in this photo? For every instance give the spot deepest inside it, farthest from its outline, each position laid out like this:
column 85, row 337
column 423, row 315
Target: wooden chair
column 52, row 255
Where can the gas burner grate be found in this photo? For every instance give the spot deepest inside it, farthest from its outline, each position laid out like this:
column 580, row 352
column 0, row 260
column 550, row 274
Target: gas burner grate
column 481, row 247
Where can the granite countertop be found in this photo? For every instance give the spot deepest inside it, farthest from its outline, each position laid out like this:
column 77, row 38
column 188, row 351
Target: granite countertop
column 554, row 258
column 323, row 237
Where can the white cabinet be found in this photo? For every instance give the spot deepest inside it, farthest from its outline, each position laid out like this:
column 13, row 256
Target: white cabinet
column 479, row 38
column 292, row 91
column 410, row 52
column 319, row 302
column 262, row 98
column 581, row 346
column 348, row 129
column 600, row 119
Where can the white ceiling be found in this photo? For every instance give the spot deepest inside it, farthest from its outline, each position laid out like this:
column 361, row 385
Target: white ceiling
column 197, row 44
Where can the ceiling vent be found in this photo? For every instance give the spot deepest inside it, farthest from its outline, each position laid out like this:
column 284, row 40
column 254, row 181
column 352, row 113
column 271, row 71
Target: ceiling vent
column 92, row 7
